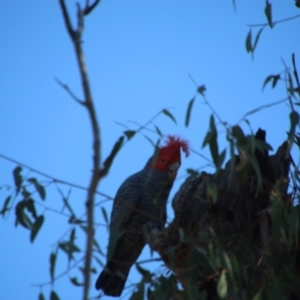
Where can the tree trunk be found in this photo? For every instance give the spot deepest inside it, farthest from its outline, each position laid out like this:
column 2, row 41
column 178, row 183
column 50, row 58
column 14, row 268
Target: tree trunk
column 230, row 225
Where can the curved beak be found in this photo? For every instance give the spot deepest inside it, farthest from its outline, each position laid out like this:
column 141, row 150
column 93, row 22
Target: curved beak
column 173, row 168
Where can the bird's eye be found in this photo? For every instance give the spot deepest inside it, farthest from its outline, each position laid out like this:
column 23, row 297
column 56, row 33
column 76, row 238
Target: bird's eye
column 163, row 161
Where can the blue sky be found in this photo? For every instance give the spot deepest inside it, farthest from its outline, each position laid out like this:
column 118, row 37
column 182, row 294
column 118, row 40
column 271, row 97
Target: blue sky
column 139, row 55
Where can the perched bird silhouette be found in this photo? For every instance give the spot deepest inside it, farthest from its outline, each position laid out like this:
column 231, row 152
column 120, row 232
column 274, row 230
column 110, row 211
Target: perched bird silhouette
column 140, row 200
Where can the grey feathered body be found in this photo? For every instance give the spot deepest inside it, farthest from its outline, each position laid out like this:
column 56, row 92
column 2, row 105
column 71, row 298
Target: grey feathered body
column 141, row 199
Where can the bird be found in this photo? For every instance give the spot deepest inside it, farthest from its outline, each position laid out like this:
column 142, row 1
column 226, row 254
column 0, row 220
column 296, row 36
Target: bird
column 141, row 199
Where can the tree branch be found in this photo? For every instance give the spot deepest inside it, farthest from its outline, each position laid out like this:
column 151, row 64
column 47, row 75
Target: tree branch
column 89, row 8
column 68, row 90
column 54, row 179
column 67, row 18
column 88, row 101
column 274, row 23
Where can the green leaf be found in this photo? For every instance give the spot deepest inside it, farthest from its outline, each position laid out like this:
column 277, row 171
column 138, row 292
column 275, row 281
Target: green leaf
column 234, row 5
column 188, row 112
column 69, row 248
column 74, row 220
column 213, row 144
column 276, row 213
column 192, row 172
column 142, row 271
column 99, row 262
column 104, row 213
column 5, row 205
column 158, row 131
column 129, row 134
column 68, row 206
column 73, row 235
column 256, row 167
column 168, row 114
column 260, row 145
column 162, row 289
column 31, row 207
column 257, row 38
column 21, row 216
column 75, row 281
column 212, row 192
column 257, row 296
column 109, row 160
column 294, row 119
column 18, row 178
column 228, row 265
column 238, row 134
column 39, row 188
column 221, row 158
column 139, row 293
column 181, row 235
column 98, row 247
column 291, row 88
column 211, row 132
column 274, row 79
column 54, row 296
column 149, row 140
column 222, row 286
column 52, row 264
column 201, row 89
column 268, row 13
column 36, row 227
column 249, row 42
column 41, row 296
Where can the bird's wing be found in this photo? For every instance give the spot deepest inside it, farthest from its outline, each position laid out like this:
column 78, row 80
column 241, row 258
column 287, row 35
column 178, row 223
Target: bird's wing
column 125, row 202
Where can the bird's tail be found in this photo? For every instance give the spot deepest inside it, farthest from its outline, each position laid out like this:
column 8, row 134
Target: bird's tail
column 111, row 281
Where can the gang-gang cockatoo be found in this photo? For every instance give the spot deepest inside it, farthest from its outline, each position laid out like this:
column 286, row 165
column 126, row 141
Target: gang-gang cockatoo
column 140, row 200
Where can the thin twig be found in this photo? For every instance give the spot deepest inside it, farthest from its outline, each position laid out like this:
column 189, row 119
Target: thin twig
column 79, row 21
column 163, row 135
column 261, row 108
column 207, row 102
column 275, row 22
column 51, row 209
column 149, row 260
column 89, row 8
column 54, row 179
column 68, row 90
column 214, row 112
column 67, row 18
column 60, row 275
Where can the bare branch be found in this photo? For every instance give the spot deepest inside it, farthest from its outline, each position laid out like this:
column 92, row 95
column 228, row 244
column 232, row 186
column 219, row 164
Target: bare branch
column 54, row 179
column 52, row 209
column 208, row 104
column 76, row 39
column 79, row 20
column 274, row 23
column 67, row 18
column 68, row 90
column 89, row 8
column 153, row 131
column 261, row 108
